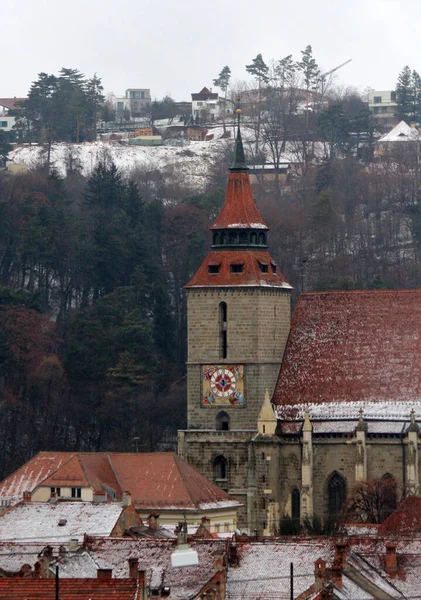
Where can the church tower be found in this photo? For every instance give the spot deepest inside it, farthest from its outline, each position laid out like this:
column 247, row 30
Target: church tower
column 238, row 311
column 238, row 319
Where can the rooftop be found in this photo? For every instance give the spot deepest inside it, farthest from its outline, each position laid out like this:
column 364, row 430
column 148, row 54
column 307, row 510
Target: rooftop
column 70, row 589
column 349, row 347
column 158, row 480
column 60, row 521
column 402, row 132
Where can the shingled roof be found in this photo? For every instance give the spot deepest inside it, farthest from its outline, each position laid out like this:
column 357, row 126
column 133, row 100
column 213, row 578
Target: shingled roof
column 70, row 589
column 158, row 480
column 353, row 347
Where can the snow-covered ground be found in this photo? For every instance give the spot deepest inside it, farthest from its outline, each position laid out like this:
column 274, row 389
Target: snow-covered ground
column 191, row 162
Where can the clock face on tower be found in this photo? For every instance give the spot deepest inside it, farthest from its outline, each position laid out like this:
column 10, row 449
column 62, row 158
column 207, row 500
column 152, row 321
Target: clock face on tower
column 223, row 385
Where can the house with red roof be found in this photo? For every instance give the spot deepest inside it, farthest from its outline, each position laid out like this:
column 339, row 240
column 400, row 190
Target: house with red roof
column 289, row 414
column 158, row 482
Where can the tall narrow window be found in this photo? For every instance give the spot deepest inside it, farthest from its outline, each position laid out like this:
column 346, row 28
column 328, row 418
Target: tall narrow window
column 336, row 494
column 220, row 467
column 223, row 342
column 295, row 505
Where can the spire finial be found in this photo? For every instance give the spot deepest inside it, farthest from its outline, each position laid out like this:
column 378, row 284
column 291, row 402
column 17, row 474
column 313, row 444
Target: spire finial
column 239, row 163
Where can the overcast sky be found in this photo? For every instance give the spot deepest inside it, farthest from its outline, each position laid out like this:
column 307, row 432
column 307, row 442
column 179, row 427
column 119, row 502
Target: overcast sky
column 178, row 46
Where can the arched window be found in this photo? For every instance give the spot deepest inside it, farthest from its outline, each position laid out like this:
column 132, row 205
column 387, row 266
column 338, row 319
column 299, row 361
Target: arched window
column 261, row 238
column 336, row 494
column 387, row 496
column 222, row 421
column 243, row 237
column 295, row 505
column 253, row 238
column 215, row 239
column 220, row 467
column 223, row 342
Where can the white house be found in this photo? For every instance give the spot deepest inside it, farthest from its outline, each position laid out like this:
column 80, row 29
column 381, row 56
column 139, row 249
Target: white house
column 209, row 106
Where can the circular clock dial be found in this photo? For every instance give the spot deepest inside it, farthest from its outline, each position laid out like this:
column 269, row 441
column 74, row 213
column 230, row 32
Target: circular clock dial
column 223, row 383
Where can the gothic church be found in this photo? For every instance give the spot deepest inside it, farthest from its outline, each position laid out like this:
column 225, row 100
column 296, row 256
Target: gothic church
column 287, row 415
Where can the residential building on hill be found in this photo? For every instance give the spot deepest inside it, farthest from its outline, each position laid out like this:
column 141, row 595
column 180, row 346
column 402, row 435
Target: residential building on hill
column 383, row 106
column 209, row 106
column 136, row 100
column 158, row 481
column 288, row 415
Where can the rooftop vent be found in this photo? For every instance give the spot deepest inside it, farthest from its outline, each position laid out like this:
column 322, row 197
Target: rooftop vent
column 62, row 522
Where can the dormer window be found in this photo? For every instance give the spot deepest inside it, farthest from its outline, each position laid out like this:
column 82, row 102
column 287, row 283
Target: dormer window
column 264, row 267
column 213, row 269
column 273, row 265
column 237, row 267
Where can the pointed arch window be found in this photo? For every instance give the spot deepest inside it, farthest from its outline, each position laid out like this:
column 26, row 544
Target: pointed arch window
column 220, row 467
column 295, row 505
column 222, row 421
column 387, row 496
column 223, row 323
column 336, row 494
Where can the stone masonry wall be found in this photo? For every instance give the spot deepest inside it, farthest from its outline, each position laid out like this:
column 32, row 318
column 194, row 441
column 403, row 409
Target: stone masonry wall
column 257, row 330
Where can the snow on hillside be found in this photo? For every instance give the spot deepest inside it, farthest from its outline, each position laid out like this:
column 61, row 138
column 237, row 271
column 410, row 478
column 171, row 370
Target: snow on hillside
column 191, row 162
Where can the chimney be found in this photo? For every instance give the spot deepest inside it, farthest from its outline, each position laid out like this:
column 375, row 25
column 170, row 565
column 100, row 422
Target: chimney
column 219, row 561
column 127, row 499
column 319, row 574
column 104, row 574
column 338, row 563
column 153, row 521
column 134, row 568
column 391, row 559
column 233, row 555
column 27, row 496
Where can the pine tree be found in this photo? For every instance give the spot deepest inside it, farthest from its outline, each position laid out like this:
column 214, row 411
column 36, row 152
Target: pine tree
column 259, row 70
column 222, row 81
column 5, row 148
column 405, row 94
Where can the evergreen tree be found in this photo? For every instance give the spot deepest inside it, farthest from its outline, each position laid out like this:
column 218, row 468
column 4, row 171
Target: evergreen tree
column 222, row 81
column 5, row 148
column 309, row 68
column 259, row 69
column 405, row 94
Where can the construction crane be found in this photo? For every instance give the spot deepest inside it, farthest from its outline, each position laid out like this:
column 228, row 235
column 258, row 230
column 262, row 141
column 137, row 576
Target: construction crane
column 323, row 77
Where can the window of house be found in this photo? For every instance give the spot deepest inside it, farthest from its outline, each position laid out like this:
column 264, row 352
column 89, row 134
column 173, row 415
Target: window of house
column 377, row 99
column 76, row 492
column 56, row 491
column 213, row 269
column 263, row 478
column 393, row 96
column 336, row 494
column 3, row 123
column 273, row 265
column 223, row 327
column 220, row 467
column 142, row 95
column 263, row 456
column 237, row 268
column 200, row 104
column 264, row 267
column 263, row 503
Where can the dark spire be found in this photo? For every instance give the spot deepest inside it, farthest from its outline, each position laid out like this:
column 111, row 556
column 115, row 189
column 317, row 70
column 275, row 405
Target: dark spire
column 239, row 163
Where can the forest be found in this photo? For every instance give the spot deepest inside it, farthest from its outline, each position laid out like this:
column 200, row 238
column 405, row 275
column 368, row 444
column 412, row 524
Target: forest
column 92, row 307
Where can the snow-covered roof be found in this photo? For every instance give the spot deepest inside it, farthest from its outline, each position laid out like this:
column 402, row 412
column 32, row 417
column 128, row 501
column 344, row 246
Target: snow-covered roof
column 402, row 132
column 61, row 521
column 353, row 349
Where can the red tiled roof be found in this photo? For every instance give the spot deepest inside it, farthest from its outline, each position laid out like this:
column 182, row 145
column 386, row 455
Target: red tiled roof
column 10, row 103
column 239, row 209
column 251, row 274
column 70, row 589
column 155, row 480
column 405, row 520
column 162, row 479
column 353, row 346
